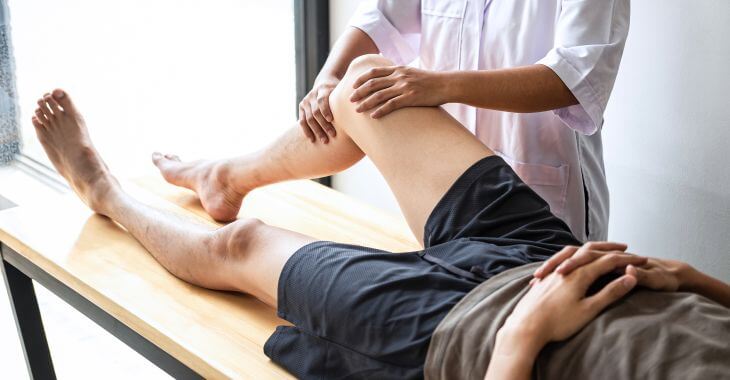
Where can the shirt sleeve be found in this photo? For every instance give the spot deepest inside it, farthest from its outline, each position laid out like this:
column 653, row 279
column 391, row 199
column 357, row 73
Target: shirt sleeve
column 394, row 26
column 589, row 41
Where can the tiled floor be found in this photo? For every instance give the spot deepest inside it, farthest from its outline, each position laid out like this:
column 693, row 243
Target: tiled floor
column 80, row 349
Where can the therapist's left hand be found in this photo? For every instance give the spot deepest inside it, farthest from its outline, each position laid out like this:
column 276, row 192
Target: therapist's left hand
column 386, row 89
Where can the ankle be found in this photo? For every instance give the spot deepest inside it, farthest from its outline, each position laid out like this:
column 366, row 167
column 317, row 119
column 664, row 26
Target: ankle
column 104, row 197
column 239, row 174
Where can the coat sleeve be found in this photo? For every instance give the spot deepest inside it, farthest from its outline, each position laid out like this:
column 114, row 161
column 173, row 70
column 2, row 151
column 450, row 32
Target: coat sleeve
column 589, row 41
column 394, row 26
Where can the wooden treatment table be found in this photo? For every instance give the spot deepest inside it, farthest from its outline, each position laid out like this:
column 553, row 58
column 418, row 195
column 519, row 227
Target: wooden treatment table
column 190, row 332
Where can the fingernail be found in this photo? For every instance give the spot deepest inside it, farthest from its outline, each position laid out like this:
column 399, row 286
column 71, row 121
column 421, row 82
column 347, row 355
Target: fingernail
column 629, row 282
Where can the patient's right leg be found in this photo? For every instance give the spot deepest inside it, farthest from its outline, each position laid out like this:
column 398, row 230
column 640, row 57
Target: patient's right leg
column 246, row 256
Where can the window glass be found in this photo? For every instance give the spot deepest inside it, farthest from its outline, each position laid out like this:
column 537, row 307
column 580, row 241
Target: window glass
column 201, row 79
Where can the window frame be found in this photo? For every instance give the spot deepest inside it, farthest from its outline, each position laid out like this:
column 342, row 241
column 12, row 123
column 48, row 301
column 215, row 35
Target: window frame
column 311, row 41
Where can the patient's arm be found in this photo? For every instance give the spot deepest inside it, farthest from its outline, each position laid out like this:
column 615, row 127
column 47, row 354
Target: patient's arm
column 657, row 274
column 554, row 309
column 697, row 282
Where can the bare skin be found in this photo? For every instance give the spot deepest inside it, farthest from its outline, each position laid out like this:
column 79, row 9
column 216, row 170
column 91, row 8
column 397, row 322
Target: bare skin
column 248, row 255
column 419, row 151
column 222, row 184
column 227, row 258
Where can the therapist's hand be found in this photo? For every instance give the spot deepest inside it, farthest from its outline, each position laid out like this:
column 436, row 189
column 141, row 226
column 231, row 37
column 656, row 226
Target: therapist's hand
column 386, row 89
column 315, row 115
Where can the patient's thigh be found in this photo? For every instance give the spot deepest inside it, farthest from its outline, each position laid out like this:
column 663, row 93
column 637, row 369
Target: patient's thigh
column 420, row 151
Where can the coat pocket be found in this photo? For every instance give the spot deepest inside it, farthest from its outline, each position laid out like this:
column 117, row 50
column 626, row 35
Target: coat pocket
column 549, row 182
column 442, row 25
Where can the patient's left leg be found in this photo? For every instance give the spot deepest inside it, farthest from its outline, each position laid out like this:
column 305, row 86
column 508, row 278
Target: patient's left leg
column 246, row 256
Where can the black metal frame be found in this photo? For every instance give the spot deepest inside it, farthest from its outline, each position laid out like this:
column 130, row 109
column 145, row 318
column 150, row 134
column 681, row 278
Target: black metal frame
column 18, row 273
column 312, row 41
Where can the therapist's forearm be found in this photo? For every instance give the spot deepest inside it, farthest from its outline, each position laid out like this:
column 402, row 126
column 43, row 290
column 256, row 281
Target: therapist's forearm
column 533, row 88
column 350, row 45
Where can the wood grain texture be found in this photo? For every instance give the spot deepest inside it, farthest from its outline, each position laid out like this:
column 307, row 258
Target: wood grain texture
column 218, row 334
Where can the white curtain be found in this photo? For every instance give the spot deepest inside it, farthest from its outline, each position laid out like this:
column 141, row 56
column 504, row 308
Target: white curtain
column 9, row 129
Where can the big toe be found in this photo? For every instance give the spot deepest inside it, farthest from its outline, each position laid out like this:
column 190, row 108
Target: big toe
column 64, row 100
column 171, row 169
column 162, row 161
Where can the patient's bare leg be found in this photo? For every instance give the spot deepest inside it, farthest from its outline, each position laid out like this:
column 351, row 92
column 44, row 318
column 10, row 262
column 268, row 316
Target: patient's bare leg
column 245, row 256
column 420, row 151
column 222, row 184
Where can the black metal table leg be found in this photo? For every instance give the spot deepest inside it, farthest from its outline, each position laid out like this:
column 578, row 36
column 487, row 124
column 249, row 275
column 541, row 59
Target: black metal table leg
column 18, row 274
column 28, row 320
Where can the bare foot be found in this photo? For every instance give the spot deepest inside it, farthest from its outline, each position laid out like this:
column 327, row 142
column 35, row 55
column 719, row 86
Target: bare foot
column 209, row 179
column 63, row 134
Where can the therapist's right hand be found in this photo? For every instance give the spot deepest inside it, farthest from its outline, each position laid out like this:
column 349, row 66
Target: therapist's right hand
column 315, row 115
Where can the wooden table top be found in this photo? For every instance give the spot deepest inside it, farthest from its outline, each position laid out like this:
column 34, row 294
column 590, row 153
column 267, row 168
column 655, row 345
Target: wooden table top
column 217, row 334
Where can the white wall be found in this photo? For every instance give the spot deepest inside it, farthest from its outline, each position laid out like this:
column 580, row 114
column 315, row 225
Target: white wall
column 666, row 134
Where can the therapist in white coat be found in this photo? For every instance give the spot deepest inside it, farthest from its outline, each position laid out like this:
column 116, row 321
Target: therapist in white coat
column 530, row 78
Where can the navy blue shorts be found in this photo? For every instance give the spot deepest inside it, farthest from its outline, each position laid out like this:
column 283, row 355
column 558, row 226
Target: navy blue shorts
column 360, row 312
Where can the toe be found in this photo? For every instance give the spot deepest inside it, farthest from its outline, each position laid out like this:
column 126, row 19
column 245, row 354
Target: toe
column 43, row 108
column 63, row 100
column 172, row 170
column 162, row 161
column 156, row 158
column 52, row 104
column 40, row 116
column 36, row 123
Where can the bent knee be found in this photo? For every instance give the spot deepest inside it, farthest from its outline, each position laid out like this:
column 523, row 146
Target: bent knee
column 234, row 241
column 365, row 62
column 361, row 65
column 340, row 97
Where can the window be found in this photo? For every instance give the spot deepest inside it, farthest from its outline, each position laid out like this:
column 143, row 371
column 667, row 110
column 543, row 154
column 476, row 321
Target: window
column 201, row 79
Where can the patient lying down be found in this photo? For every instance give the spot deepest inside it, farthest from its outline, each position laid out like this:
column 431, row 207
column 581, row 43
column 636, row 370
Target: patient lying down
column 500, row 290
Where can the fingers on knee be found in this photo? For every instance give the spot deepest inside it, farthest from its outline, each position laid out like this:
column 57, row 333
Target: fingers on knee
column 234, row 241
column 340, row 97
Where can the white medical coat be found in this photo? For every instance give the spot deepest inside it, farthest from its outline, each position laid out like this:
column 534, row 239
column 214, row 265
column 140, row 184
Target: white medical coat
column 558, row 153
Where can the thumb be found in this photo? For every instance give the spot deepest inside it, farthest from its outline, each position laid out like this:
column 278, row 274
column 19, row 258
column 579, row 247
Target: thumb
column 611, row 293
column 644, row 277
